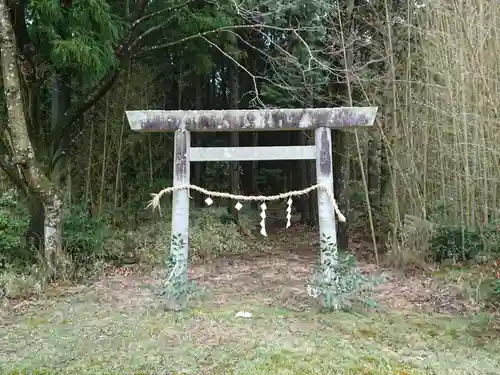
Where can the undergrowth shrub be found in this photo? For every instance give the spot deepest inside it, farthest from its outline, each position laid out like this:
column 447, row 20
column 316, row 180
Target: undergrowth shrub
column 460, row 244
column 496, row 283
column 412, row 246
column 210, row 236
column 422, row 241
column 13, row 225
column 496, row 286
column 92, row 242
column 338, row 282
column 84, row 237
column 17, row 283
column 452, row 241
column 20, row 275
column 455, row 244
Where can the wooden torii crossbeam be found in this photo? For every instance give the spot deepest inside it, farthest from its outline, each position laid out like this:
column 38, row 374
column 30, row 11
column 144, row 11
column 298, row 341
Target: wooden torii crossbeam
column 251, row 119
column 321, row 120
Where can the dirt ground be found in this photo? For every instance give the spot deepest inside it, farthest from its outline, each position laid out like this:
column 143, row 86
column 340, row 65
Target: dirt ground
column 117, row 323
column 276, row 279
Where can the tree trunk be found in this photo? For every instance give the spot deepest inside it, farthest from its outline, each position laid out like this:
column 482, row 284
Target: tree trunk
column 342, row 139
column 35, row 233
column 197, row 140
column 289, row 167
column 32, row 101
column 61, row 101
column 255, row 171
column 373, row 169
column 234, row 174
column 255, row 135
column 341, row 169
column 212, row 97
column 303, row 205
column 313, row 220
column 23, row 156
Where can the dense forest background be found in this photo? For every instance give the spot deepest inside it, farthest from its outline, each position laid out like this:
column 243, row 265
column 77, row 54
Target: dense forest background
column 421, row 186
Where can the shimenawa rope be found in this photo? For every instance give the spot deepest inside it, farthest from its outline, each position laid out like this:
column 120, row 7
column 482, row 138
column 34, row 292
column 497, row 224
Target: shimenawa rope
column 155, row 201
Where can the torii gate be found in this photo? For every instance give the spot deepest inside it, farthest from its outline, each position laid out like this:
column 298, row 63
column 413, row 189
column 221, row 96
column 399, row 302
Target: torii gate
column 321, row 120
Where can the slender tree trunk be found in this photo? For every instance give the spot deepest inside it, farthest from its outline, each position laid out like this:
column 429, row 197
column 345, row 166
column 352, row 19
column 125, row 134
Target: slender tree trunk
column 222, row 100
column 234, row 174
column 88, row 189
column 289, row 167
column 23, row 156
column 310, row 175
column 394, row 134
column 313, row 220
column 255, row 135
column 255, row 171
column 197, row 139
column 118, row 191
column 104, row 158
column 60, row 103
column 373, row 169
column 341, row 141
column 35, row 233
column 34, row 112
column 212, row 91
column 341, row 169
column 303, row 205
column 385, row 172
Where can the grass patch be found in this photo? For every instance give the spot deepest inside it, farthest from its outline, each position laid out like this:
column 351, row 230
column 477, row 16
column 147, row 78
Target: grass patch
column 98, row 331
column 117, row 325
column 477, row 282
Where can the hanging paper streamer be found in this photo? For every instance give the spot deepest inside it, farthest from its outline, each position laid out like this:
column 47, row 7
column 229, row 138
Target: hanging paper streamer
column 238, row 206
column 263, row 221
column 289, row 212
column 209, row 201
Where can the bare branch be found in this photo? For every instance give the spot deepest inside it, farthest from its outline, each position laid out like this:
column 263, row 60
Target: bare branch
column 205, row 34
column 146, row 17
column 236, row 62
column 159, row 12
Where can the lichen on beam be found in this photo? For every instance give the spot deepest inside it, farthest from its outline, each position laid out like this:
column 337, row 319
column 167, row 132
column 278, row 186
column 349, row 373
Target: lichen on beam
column 251, row 119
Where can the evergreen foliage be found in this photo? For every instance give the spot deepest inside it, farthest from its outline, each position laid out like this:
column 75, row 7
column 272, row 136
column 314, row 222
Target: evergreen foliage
column 81, row 38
